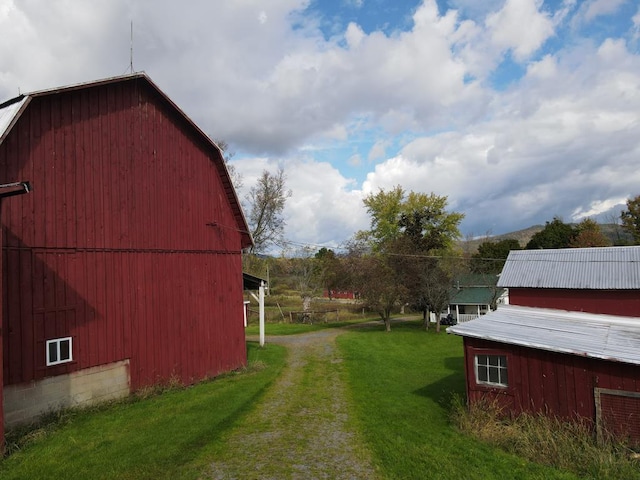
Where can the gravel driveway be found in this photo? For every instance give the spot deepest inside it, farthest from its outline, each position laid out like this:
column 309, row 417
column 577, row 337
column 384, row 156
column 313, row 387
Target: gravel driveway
column 317, row 444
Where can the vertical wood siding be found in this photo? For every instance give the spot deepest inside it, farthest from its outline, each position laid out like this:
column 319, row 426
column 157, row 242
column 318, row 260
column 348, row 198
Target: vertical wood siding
column 128, row 242
column 552, row 383
column 608, row 302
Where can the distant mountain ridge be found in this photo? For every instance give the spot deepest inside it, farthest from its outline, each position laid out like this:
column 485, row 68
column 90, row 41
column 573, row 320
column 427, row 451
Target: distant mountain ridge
column 614, row 232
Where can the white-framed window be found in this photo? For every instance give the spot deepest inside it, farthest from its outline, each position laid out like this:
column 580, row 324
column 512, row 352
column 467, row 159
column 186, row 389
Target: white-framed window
column 59, row 350
column 492, row 370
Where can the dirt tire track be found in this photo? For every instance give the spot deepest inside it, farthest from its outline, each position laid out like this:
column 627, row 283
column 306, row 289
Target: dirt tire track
column 320, row 446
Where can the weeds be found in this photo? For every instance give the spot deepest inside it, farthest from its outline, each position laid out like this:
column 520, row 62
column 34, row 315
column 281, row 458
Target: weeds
column 570, row 446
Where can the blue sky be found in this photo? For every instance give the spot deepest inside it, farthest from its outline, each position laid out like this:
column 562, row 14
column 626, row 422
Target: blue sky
column 517, row 110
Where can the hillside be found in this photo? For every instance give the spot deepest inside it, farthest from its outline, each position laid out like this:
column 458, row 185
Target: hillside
column 613, row 231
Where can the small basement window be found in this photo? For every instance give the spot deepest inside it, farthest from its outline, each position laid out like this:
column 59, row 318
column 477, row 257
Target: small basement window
column 492, row 370
column 59, row 351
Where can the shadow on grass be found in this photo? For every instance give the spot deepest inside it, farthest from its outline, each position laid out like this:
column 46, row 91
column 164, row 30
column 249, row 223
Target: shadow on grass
column 446, row 387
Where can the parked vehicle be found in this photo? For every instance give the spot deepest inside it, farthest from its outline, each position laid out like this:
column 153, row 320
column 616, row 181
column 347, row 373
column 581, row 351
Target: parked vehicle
column 448, row 320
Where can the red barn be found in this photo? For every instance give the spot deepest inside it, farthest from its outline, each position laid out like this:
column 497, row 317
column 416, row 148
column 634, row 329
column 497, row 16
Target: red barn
column 122, row 268
column 569, row 343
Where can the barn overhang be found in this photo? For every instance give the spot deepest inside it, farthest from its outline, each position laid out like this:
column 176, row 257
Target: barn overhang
column 13, row 189
column 605, row 337
column 251, row 282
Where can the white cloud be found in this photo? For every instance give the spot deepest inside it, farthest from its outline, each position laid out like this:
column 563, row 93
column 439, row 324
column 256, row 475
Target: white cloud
column 355, row 160
column 378, row 150
column 521, row 27
column 564, row 139
column 596, row 8
column 598, row 207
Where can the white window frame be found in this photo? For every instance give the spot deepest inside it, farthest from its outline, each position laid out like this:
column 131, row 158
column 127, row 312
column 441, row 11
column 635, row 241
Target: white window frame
column 57, row 342
column 501, row 368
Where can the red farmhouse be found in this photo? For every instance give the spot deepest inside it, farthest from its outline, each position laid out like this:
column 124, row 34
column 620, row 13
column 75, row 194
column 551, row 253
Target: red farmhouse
column 569, row 343
column 122, row 267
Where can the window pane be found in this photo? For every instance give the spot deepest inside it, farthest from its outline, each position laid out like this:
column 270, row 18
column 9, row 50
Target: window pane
column 53, row 352
column 65, row 350
column 504, row 378
column 493, row 375
column 482, row 374
column 493, row 360
column 482, row 359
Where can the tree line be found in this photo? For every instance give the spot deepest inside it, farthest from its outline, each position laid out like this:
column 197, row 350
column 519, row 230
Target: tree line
column 409, row 255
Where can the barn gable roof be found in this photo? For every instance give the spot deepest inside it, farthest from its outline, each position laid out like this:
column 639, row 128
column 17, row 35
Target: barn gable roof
column 605, row 268
column 11, row 110
column 592, row 335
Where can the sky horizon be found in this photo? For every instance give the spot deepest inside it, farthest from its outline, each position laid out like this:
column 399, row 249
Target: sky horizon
column 516, row 110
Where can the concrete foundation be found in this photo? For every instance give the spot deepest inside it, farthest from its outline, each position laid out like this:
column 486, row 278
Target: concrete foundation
column 24, row 403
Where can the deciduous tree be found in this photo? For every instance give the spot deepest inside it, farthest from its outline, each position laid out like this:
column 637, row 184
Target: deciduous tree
column 227, row 154
column 422, row 218
column 588, row 234
column 266, row 201
column 631, row 218
column 406, row 230
column 555, row 234
column 375, row 279
column 491, row 256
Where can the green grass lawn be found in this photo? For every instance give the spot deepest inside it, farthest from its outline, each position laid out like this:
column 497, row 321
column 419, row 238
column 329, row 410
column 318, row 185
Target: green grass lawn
column 402, row 385
column 163, row 437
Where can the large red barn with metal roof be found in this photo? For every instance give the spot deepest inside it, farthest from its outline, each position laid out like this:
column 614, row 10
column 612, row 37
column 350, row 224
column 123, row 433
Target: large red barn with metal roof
column 569, row 343
column 122, row 268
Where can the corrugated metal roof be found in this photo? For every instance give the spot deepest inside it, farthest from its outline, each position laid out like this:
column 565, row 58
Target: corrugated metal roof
column 605, row 268
column 599, row 336
column 8, row 114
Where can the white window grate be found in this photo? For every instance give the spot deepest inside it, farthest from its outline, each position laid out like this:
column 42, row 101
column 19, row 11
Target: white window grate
column 59, row 350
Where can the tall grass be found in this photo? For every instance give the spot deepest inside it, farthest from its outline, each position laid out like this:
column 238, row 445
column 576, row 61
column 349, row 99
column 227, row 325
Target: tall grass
column 570, row 446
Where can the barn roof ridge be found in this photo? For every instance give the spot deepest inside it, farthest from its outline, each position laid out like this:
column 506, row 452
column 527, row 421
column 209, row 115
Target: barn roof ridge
column 11, row 110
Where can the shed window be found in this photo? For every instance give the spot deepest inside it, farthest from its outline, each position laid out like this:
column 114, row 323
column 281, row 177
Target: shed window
column 492, row 370
column 59, row 351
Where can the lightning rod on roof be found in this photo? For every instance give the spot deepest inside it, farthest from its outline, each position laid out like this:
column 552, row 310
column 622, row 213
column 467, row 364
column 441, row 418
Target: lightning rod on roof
column 131, row 50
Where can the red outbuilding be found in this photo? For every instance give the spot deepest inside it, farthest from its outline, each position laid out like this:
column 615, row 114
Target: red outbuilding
column 569, row 343
column 122, row 268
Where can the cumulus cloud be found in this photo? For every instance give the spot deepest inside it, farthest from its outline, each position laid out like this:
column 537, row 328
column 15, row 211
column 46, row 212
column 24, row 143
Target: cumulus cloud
column 563, row 142
column 562, row 137
column 520, row 26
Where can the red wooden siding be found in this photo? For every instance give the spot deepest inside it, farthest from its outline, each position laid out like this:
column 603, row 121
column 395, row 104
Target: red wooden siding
column 610, row 302
column 128, row 242
column 553, row 383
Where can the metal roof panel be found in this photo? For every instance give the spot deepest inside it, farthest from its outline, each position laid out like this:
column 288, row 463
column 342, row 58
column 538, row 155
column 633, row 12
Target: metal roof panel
column 606, row 337
column 604, row 268
column 8, row 114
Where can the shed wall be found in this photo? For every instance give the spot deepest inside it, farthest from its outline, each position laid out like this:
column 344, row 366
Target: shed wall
column 610, row 302
column 552, row 383
column 128, row 242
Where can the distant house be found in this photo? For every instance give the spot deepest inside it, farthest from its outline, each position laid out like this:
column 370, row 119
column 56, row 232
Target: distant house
column 474, row 295
column 569, row 343
column 122, row 268
column 340, row 294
